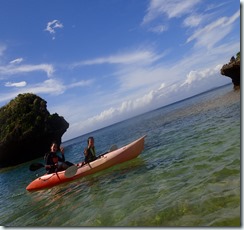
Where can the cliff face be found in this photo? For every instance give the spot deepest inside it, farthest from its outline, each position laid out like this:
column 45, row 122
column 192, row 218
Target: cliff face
column 27, row 129
column 232, row 70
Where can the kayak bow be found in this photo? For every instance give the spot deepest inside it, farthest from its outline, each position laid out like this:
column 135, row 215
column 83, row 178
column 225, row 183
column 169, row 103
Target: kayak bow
column 123, row 154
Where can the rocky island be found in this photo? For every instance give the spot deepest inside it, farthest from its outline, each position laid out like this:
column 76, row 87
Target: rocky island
column 232, row 70
column 27, row 129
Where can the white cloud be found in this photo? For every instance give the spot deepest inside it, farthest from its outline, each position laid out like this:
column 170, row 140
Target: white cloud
column 16, row 61
column 52, row 26
column 81, row 121
column 214, row 32
column 12, row 69
column 204, row 36
column 141, row 57
column 50, row 86
column 54, row 87
column 154, row 91
column 80, row 84
column 132, row 79
column 194, row 76
column 171, row 8
column 211, row 7
column 193, row 20
column 15, row 84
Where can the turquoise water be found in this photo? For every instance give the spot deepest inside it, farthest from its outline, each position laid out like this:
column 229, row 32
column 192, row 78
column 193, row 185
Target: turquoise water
column 187, row 175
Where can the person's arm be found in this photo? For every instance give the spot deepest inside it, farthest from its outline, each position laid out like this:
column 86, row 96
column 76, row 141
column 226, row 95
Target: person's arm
column 49, row 163
column 61, row 159
column 85, row 152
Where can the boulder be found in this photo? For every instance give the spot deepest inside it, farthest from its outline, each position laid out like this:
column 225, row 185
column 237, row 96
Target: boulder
column 28, row 129
column 232, row 70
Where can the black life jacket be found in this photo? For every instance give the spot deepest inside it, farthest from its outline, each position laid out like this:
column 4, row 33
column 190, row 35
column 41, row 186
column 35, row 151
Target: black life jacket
column 91, row 155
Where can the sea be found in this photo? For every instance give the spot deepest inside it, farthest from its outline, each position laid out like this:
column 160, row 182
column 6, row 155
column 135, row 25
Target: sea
column 188, row 174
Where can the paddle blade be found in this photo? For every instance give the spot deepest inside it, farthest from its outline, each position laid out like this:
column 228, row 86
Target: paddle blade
column 71, row 171
column 36, row 166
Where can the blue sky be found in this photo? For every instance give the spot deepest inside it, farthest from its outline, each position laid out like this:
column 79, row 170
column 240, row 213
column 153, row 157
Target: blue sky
column 97, row 62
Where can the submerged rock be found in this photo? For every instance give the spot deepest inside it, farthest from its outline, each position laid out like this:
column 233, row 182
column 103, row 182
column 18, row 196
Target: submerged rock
column 27, row 129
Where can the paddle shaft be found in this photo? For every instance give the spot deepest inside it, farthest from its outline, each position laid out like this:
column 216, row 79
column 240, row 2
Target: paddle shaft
column 71, row 171
column 36, row 166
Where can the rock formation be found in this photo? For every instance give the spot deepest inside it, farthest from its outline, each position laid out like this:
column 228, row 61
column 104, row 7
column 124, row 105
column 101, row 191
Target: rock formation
column 232, row 70
column 27, row 129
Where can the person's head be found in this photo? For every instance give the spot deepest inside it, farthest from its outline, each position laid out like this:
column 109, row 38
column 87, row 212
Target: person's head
column 90, row 141
column 54, row 147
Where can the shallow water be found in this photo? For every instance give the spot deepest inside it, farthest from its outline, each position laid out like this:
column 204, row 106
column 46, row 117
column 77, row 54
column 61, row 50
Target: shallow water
column 187, row 175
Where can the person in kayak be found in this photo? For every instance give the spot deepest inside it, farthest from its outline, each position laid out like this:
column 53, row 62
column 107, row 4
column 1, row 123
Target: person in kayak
column 90, row 152
column 52, row 160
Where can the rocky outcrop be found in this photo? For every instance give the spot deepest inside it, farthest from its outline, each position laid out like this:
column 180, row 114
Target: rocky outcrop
column 232, row 70
column 27, row 129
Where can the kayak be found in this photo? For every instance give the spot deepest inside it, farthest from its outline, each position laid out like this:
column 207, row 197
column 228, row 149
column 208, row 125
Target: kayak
column 118, row 156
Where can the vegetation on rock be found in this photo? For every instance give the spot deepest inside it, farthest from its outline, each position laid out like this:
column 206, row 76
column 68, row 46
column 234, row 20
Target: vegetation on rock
column 27, row 129
column 232, row 70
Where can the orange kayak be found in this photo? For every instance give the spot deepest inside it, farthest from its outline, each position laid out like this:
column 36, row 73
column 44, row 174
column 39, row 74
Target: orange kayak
column 126, row 153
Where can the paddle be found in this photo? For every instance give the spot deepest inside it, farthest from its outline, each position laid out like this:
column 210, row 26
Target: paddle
column 112, row 148
column 36, row 166
column 72, row 170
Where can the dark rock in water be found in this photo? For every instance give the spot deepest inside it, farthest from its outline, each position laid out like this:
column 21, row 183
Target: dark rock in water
column 232, row 70
column 27, row 129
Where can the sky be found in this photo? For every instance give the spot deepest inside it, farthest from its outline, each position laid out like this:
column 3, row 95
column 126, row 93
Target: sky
column 98, row 62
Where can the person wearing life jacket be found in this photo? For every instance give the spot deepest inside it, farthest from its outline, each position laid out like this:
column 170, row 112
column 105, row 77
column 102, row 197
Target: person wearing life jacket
column 52, row 160
column 90, row 152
